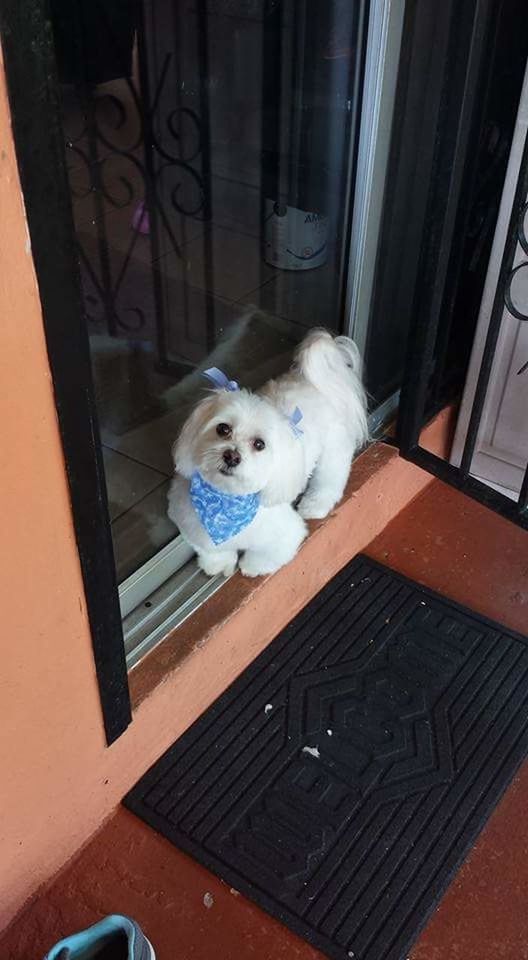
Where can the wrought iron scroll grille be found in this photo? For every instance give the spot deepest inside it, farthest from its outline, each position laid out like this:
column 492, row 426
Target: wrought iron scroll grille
column 137, row 150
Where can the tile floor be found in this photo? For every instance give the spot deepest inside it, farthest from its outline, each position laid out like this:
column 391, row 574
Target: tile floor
column 452, row 545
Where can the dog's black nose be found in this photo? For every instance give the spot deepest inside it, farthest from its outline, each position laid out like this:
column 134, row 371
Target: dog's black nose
column 231, row 458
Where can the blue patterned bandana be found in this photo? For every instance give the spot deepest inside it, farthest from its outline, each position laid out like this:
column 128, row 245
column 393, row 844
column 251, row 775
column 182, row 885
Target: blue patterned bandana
column 222, row 514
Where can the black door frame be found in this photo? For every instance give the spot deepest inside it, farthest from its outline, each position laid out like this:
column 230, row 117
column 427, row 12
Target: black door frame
column 27, row 45
column 471, row 35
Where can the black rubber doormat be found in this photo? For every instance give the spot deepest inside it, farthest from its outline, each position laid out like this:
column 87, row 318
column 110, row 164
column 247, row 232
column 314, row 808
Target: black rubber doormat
column 344, row 776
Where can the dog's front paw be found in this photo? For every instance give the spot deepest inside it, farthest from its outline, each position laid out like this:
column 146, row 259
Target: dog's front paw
column 224, row 562
column 314, row 507
column 254, row 564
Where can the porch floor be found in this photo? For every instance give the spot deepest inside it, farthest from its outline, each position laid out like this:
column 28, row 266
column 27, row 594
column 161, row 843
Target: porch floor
column 448, row 543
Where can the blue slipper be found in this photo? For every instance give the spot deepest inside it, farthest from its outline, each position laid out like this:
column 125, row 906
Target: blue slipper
column 114, row 938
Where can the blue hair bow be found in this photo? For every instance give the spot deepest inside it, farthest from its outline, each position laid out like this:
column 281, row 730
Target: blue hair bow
column 220, row 380
column 294, row 420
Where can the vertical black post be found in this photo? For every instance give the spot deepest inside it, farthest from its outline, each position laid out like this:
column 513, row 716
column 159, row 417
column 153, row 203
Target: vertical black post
column 147, row 120
column 270, row 110
column 204, row 80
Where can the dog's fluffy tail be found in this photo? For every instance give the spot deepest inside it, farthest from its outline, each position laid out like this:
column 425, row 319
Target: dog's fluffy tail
column 333, row 367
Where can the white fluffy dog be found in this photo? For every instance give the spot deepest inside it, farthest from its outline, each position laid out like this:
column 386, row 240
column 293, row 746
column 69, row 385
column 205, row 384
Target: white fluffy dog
column 241, row 461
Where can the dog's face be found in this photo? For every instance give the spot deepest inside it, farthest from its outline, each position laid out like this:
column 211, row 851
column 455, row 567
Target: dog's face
column 235, row 440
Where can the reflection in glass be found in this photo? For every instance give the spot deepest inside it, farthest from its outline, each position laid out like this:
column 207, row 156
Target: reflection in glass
column 210, row 148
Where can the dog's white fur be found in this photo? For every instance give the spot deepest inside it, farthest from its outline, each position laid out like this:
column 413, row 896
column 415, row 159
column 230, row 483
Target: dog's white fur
column 325, row 383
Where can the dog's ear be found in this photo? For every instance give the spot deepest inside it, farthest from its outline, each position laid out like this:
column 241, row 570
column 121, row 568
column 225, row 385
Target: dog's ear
column 182, row 450
column 286, row 480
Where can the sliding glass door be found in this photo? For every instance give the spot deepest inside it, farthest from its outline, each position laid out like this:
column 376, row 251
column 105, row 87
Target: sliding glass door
column 211, row 149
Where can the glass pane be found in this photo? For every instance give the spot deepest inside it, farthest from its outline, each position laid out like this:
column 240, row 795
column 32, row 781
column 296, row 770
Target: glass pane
column 210, row 148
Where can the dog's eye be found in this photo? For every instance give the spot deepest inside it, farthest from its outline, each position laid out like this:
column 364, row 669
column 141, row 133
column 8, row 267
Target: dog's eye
column 223, row 430
column 258, row 444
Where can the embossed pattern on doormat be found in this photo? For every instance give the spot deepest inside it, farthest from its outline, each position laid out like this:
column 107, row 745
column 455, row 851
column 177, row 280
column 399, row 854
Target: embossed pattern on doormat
column 342, row 779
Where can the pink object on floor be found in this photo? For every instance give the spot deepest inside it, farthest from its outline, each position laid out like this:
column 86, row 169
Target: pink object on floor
column 141, row 219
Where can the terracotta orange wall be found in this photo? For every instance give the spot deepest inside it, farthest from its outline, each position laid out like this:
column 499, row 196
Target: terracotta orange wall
column 48, row 693
column 58, row 781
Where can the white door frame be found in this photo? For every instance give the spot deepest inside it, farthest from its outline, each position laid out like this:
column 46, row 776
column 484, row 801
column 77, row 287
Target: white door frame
column 379, row 90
